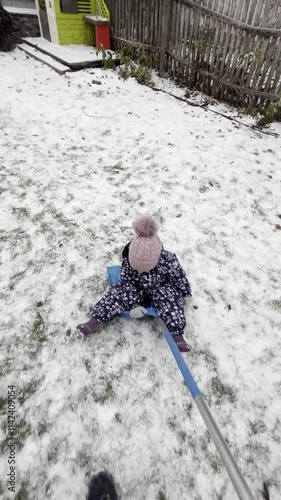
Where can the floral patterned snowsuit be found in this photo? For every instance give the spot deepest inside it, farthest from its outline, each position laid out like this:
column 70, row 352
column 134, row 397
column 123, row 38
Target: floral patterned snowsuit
column 163, row 288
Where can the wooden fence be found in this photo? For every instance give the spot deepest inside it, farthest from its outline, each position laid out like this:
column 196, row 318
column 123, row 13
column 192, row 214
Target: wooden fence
column 263, row 13
column 228, row 49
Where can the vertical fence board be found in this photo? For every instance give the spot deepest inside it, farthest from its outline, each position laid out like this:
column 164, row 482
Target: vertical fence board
column 255, row 14
column 218, row 53
column 248, row 15
column 156, row 21
column 173, row 37
column 275, row 17
column 180, row 41
column 253, row 65
column 276, row 85
column 189, row 45
column 237, row 69
column 151, row 24
column 224, row 64
column 186, row 45
column 185, row 40
column 245, row 64
column 276, row 64
column 177, row 65
column 235, row 42
column 197, row 49
column 207, row 51
column 143, row 21
column 120, row 18
column 216, row 36
column 119, row 13
column 264, row 64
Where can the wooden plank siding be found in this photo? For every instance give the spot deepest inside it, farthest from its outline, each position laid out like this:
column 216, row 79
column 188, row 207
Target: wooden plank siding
column 228, row 49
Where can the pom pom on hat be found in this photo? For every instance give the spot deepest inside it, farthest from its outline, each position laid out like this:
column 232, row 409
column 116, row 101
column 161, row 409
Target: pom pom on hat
column 145, row 226
column 145, row 248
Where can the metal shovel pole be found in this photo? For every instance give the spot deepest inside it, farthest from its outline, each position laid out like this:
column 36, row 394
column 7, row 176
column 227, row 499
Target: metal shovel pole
column 234, row 472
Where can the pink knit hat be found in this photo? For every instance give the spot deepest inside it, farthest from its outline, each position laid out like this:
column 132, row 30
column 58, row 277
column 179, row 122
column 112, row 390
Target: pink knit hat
column 145, row 249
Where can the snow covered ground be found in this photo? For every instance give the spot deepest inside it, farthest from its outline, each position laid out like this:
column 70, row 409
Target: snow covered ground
column 71, row 185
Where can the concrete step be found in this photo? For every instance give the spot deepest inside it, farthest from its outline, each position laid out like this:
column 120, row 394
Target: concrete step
column 74, row 56
column 48, row 60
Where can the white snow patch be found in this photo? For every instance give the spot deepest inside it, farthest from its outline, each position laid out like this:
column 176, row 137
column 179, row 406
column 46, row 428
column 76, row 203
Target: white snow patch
column 21, row 10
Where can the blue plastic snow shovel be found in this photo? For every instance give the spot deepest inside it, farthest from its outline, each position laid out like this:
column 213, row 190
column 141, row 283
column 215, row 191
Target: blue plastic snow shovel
column 234, row 472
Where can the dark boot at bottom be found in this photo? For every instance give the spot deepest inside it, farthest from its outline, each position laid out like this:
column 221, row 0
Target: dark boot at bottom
column 102, row 487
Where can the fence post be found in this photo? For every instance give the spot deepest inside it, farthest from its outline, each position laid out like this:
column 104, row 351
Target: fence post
column 166, row 24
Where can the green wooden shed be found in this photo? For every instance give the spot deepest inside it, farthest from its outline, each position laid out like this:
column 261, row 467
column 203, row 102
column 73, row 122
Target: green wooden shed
column 67, row 22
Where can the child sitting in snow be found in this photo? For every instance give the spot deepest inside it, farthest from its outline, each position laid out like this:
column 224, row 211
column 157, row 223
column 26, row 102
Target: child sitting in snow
column 150, row 276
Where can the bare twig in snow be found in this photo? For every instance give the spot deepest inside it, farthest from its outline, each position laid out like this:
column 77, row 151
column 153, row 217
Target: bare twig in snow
column 92, row 116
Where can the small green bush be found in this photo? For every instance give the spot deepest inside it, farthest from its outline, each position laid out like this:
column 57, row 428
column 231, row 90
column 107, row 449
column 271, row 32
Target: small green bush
column 271, row 113
column 135, row 66
column 107, row 58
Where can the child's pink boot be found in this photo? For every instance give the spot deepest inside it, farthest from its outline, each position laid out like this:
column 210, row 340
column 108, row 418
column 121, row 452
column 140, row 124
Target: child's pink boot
column 181, row 343
column 88, row 328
